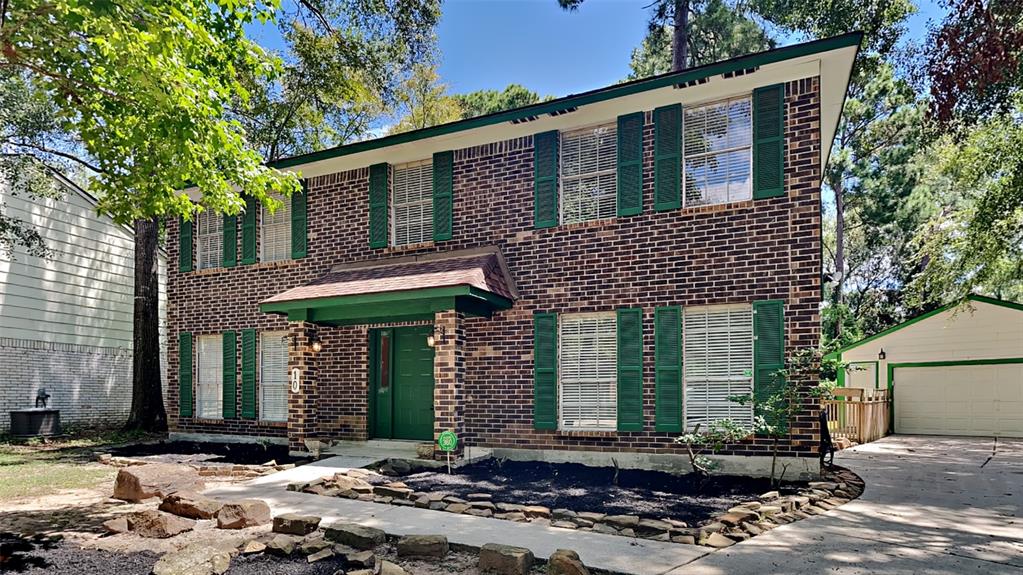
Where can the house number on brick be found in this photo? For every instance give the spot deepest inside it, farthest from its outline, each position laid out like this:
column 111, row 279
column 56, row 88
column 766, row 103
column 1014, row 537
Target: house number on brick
column 295, row 380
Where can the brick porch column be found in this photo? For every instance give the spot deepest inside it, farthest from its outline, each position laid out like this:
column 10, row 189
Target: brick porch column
column 449, row 375
column 303, row 405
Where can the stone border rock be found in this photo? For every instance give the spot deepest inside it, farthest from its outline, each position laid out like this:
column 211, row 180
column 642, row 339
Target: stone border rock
column 739, row 523
column 206, row 469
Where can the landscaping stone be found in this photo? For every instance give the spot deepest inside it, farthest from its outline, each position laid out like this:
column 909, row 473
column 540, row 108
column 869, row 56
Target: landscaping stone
column 622, row 521
column 438, row 505
column 314, row 545
column 116, row 525
column 319, row 555
column 479, row 497
column 244, row 513
column 627, row 532
column 424, row 451
column 536, row 511
column 580, row 522
column 564, row 524
column 505, row 559
column 253, row 547
column 355, row 535
column 191, row 505
column 770, row 495
column 281, row 545
column 388, row 568
column 395, row 492
column 564, row 514
column 769, row 510
column 651, row 527
column 422, row 502
column 566, row 562
column 594, row 517
column 423, row 546
column 604, row 528
column 157, row 524
column 514, row 516
column 457, row 508
column 202, row 558
column 826, row 485
column 483, row 505
column 737, row 516
column 295, row 524
column 510, row 507
column 363, row 559
column 479, row 512
column 453, row 499
column 718, row 541
column 394, row 467
column 684, row 539
column 141, row 482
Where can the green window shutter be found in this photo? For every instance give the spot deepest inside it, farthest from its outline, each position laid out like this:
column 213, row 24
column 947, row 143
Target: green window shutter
column 230, row 241
column 230, row 388
column 185, row 374
column 768, row 349
column 378, row 192
column 249, row 231
column 185, row 245
column 668, row 369
column 249, row 373
column 769, row 142
column 299, row 223
column 667, row 157
column 545, row 179
column 545, row 371
column 630, row 369
column 630, row 164
column 443, row 195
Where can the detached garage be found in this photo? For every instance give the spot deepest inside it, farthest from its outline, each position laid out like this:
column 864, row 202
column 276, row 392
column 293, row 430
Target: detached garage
column 957, row 370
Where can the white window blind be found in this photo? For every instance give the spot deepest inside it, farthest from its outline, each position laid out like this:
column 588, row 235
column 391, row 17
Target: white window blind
column 718, row 152
column 589, row 159
column 718, row 363
column 273, row 376
column 209, row 390
column 587, row 366
column 275, row 233
column 412, row 203
column 211, row 240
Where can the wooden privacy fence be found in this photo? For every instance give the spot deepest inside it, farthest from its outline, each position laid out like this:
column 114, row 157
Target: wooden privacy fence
column 859, row 415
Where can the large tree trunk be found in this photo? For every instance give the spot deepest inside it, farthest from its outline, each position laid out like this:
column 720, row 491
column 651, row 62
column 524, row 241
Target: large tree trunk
column 680, row 38
column 147, row 411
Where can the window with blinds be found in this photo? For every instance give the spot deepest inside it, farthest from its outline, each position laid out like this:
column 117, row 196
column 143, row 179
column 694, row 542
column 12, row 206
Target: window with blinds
column 718, row 152
column 412, row 203
column 275, row 233
column 587, row 369
column 273, row 376
column 211, row 240
column 589, row 164
column 718, row 363
column 209, row 400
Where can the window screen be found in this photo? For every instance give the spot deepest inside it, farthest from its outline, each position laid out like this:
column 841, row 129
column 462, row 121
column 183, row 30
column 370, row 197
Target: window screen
column 276, row 233
column 412, row 194
column 211, row 240
column 718, row 363
column 209, row 390
column 273, row 376
column 588, row 371
column 589, row 160
column 718, row 152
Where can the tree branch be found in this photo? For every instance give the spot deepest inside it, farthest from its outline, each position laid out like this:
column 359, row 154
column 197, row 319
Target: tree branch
column 57, row 153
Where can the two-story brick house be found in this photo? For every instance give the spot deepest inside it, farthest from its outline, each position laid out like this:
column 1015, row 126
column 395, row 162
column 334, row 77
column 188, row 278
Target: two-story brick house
column 590, row 274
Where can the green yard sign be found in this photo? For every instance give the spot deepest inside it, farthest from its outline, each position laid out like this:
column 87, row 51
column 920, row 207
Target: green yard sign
column 447, row 441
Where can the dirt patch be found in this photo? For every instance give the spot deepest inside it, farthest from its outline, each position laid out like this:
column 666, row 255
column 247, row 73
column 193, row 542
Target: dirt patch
column 653, row 494
column 204, row 452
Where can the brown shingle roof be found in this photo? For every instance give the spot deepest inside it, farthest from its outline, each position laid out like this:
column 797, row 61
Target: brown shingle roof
column 484, row 270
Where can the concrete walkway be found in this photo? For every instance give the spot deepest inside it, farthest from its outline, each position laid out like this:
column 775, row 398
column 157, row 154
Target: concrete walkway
column 934, row 505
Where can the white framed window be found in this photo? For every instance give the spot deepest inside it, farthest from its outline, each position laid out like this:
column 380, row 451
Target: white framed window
column 209, row 399
column 275, row 233
column 718, row 363
column 588, row 371
column 412, row 203
column 589, row 172
column 718, row 152
column 210, row 253
column 273, row 376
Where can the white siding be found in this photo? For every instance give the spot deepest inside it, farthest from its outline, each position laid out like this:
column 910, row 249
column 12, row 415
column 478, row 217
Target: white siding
column 986, row 332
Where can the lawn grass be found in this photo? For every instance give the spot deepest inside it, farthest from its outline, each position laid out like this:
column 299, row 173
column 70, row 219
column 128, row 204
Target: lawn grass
column 34, row 468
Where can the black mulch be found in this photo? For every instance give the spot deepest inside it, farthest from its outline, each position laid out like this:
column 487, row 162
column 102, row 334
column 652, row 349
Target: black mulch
column 194, row 451
column 264, row 564
column 38, row 556
column 577, row 487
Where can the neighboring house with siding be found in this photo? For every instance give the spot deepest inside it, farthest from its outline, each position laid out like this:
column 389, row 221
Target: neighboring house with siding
column 66, row 320
column 574, row 279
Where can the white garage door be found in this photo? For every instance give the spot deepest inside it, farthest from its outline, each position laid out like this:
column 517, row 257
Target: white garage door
column 960, row 400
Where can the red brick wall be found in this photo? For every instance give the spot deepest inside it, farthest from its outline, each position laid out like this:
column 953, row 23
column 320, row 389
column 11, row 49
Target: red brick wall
column 734, row 253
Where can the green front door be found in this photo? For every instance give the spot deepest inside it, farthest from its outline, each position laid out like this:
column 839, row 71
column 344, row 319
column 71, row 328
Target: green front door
column 402, row 391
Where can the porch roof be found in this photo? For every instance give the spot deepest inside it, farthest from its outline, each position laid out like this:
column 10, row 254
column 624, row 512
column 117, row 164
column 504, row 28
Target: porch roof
column 400, row 289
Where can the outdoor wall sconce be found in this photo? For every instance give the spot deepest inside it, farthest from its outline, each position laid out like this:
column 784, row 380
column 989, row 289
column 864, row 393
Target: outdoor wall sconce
column 315, row 343
column 881, row 355
column 437, row 336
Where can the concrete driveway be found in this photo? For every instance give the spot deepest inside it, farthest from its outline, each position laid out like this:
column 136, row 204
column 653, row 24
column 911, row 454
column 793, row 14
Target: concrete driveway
column 932, row 505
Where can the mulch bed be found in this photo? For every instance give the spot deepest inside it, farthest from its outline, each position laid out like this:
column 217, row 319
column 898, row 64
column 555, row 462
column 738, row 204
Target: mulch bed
column 653, row 494
column 198, row 452
column 38, row 556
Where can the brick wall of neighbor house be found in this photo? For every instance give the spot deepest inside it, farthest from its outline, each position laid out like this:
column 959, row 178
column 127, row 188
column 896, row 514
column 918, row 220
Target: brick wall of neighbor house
column 734, row 253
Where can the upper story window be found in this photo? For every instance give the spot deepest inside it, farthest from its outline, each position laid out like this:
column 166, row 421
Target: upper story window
column 589, row 159
column 588, row 371
column 275, row 233
column 718, row 152
column 412, row 203
column 210, row 240
column 718, row 352
column 209, row 388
